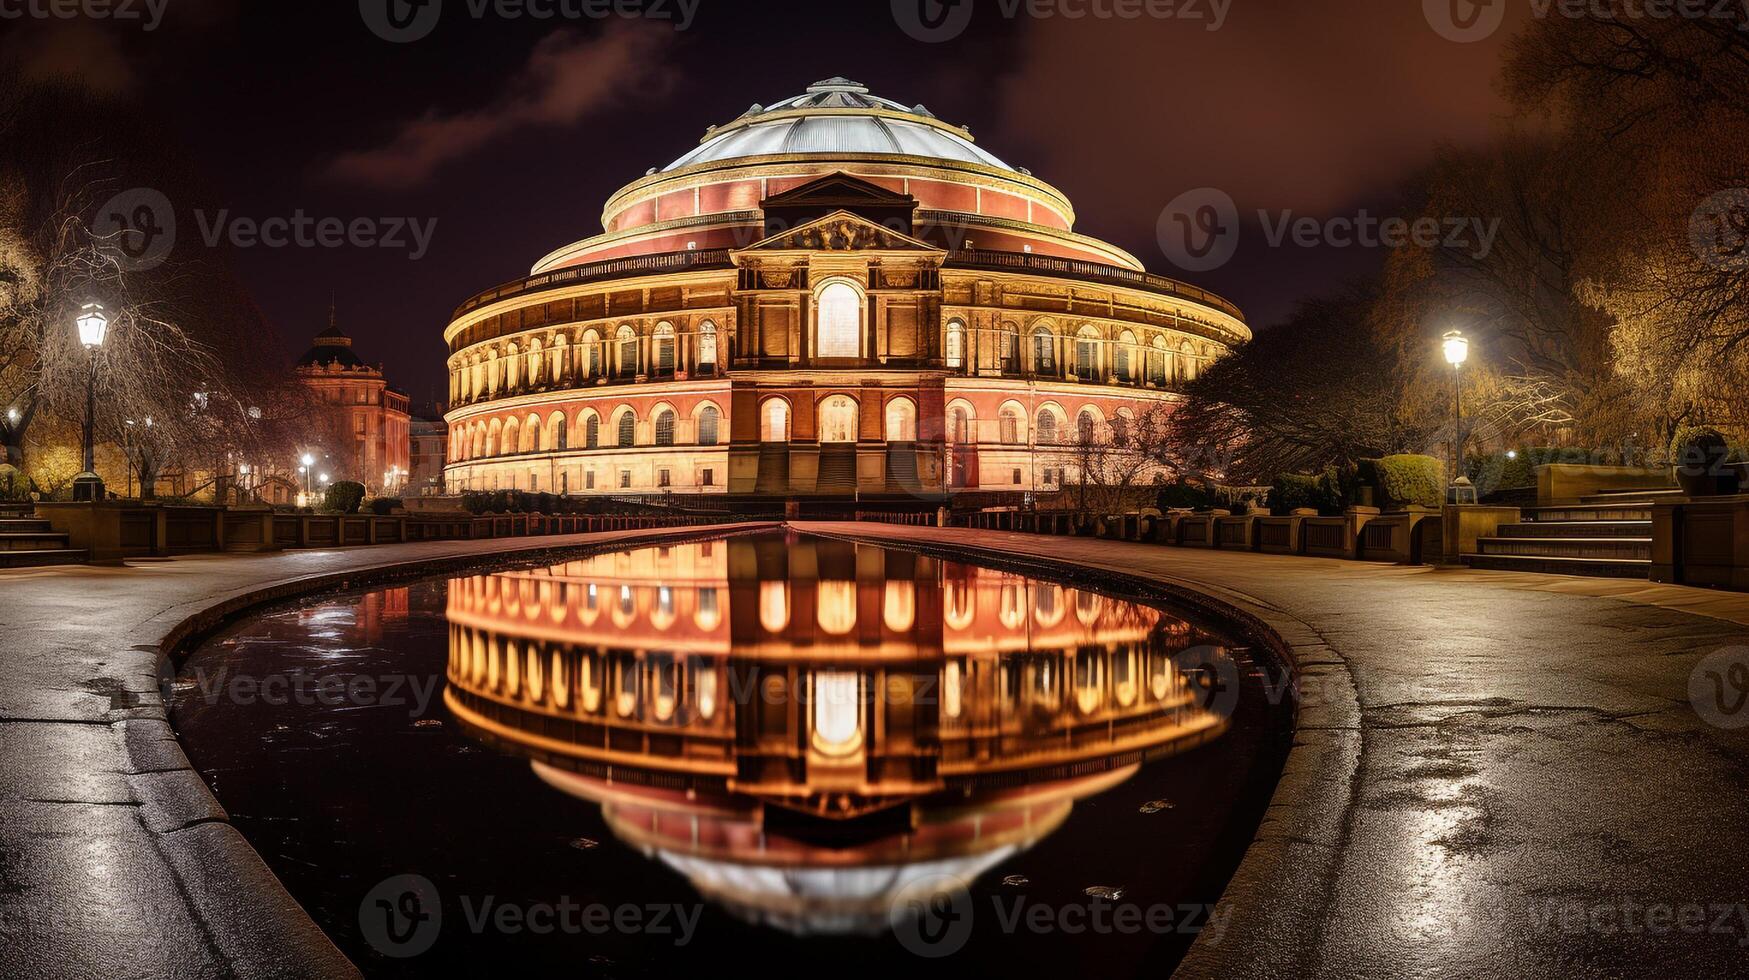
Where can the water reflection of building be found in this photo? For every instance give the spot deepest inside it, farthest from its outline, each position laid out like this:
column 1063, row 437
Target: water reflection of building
column 804, row 727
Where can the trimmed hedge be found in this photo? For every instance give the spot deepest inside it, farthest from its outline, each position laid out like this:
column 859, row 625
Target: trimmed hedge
column 1323, row 493
column 13, row 483
column 1184, row 496
column 343, row 497
column 1399, row 481
column 384, row 506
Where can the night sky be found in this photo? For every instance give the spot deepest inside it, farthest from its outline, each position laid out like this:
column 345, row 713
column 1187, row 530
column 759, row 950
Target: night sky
column 511, row 133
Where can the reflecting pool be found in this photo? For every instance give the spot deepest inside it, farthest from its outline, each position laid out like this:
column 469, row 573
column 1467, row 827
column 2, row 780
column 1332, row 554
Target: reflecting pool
column 772, row 753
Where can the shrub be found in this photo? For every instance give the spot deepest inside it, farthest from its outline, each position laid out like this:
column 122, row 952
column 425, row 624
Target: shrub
column 1184, row 496
column 1322, row 493
column 1398, row 481
column 13, row 485
column 384, row 506
column 1707, row 439
column 343, row 497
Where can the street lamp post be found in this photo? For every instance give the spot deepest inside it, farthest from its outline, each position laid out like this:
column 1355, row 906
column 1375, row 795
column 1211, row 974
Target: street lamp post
column 1457, row 351
column 93, row 326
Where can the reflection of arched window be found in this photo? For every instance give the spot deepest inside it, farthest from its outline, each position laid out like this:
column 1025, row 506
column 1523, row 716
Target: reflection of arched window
column 628, row 429
column 665, row 428
column 837, row 713
column 774, row 606
column 665, row 348
column 837, row 612
column 707, row 344
column 707, row 425
column 956, row 344
column 774, row 421
column 838, row 419
column 839, row 333
column 901, row 420
column 899, row 606
column 1047, row 427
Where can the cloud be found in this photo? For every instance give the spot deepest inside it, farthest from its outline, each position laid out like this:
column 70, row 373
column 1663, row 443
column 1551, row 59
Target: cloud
column 567, row 77
column 1313, row 106
column 82, row 53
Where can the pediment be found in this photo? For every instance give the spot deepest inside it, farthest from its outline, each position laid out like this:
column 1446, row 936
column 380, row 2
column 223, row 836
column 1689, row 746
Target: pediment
column 838, row 191
column 841, row 231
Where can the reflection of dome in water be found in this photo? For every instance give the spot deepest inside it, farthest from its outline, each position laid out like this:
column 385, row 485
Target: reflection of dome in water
column 844, row 722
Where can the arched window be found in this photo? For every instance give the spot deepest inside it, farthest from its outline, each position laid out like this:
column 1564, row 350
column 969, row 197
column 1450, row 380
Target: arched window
column 1125, row 346
column 592, row 354
column 628, row 352
column 838, row 419
column 628, row 429
column 1044, row 351
column 1047, row 427
column 959, row 425
column 554, row 437
column 531, row 434
column 509, row 439
column 665, row 428
column 1086, row 356
column 1010, row 425
column 774, row 421
column 707, row 345
column 956, row 344
column 664, row 348
column 901, row 420
column 1120, row 429
column 1085, row 426
column 1157, row 363
column 592, row 433
column 1008, row 349
column 707, row 425
column 839, row 330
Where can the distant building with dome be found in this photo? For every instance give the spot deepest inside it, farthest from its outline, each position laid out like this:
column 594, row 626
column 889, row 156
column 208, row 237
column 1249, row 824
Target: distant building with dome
column 833, row 295
column 364, row 433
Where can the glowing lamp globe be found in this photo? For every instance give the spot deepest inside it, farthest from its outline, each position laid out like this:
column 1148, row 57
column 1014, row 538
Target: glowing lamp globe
column 93, row 326
column 1457, row 348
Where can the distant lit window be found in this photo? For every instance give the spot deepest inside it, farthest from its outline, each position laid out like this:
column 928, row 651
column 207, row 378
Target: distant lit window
column 956, row 344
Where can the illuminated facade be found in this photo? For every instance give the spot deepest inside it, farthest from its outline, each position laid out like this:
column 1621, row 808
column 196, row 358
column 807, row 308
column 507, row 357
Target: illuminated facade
column 740, row 709
column 364, row 432
column 833, row 295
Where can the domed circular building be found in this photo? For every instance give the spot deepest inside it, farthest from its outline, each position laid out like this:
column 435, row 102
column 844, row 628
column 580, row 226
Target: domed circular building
column 833, row 295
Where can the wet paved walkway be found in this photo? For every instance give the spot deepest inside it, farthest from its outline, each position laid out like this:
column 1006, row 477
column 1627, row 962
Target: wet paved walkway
column 1494, row 773
column 115, row 860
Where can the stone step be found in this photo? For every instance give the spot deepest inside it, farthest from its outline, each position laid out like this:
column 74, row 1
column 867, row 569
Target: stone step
column 1618, row 497
column 1596, row 567
column 16, row 508
column 47, row 556
column 21, row 525
column 1590, row 512
column 32, row 541
column 1579, row 529
column 1630, row 549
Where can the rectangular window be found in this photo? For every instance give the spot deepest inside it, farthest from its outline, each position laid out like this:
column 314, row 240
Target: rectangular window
column 625, row 479
column 1017, row 478
column 664, row 478
column 707, row 478
column 589, row 480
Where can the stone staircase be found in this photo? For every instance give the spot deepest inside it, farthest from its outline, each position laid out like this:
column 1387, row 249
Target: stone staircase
column 837, row 469
column 1606, row 534
column 26, row 542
